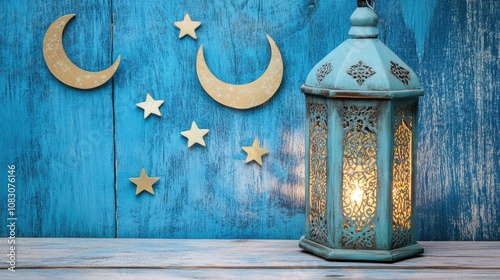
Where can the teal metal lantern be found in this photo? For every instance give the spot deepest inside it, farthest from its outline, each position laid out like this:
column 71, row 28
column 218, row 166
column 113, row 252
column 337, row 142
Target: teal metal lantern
column 361, row 140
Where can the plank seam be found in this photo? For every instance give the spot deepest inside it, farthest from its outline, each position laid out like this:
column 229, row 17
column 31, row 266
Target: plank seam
column 350, row 267
column 114, row 119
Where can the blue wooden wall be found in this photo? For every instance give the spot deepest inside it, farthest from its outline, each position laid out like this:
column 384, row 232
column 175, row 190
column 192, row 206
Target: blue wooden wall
column 75, row 150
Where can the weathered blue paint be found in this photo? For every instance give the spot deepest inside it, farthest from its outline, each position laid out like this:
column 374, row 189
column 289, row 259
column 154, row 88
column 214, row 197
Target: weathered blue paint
column 66, row 142
column 206, row 192
column 459, row 67
column 59, row 138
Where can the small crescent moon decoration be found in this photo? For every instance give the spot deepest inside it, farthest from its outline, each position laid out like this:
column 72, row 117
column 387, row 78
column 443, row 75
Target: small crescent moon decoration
column 62, row 68
column 247, row 95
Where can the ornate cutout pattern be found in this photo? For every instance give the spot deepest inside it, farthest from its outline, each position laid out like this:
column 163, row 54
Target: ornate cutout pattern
column 402, row 176
column 324, row 70
column 360, row 72
column 318, row 127
column 401, row 73
column 359, row 178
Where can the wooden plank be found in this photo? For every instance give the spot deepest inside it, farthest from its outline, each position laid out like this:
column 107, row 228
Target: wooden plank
column 64, row 150
column 60, row 139
column 169, row 274
column 209, row 192
column 76, row 258
column 453, row 46
column 230, row 254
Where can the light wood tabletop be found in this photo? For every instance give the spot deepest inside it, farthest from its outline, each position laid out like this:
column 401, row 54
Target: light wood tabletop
column 79, row 258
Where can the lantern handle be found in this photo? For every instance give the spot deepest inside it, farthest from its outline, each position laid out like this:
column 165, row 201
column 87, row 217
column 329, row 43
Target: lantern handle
column 367, row 3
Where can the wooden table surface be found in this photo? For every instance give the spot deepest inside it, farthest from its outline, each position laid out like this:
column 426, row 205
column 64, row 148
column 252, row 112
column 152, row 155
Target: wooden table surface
column 78, row 258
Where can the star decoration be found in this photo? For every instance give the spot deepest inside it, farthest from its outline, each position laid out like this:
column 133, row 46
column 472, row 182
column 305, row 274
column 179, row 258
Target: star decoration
column 144, row 183
column 150, row 106
column 187, row 26
column 255, row 152
column 195, row 135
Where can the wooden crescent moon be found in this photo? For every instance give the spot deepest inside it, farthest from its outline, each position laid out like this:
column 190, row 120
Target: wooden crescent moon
column 62, row 68
column 247, row 95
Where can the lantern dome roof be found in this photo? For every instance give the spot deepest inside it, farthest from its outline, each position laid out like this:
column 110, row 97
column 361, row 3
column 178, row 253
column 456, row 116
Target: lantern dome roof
column 362, row 66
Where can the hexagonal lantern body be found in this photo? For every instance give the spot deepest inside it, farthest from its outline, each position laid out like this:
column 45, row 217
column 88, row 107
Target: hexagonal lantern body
column 361, row 141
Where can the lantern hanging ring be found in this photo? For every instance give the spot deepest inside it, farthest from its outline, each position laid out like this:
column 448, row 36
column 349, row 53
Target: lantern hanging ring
column 366, row 3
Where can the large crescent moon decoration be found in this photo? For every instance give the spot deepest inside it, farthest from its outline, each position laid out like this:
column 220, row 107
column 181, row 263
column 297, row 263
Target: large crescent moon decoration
column 247, row 95
column 62, row 68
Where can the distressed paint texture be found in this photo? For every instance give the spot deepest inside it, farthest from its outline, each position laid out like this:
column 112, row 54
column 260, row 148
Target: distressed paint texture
column 459, row 147
column 59, row 138
column 207, row 192
column 75, row 150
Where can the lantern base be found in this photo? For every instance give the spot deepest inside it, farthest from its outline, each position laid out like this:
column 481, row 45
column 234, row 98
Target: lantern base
column 361, row 255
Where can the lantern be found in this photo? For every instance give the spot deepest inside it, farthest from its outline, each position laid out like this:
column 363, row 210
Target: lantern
column 361, row 143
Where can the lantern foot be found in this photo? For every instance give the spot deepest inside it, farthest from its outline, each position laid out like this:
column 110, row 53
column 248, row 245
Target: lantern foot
column 360, row 255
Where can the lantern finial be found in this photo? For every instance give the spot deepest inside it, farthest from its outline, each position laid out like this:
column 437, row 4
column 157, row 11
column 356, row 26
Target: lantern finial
column 364, row 22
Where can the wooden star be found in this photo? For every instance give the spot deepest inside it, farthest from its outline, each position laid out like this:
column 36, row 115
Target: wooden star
column 255, row 152
column 195, row 135
column 187, row 26
column 150, row 106
column 144, row 183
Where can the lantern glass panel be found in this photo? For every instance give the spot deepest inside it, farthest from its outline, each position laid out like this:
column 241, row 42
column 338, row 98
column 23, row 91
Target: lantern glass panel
column 359, row 179
column 318, row 139
column 402, row 175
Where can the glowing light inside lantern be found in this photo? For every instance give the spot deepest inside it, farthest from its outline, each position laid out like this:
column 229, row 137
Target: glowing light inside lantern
column 357, row 194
